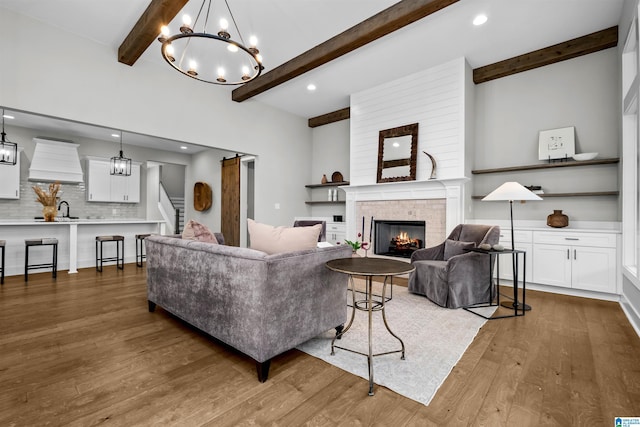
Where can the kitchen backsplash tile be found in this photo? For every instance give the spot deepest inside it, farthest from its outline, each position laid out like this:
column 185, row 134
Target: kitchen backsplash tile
column 28, row 207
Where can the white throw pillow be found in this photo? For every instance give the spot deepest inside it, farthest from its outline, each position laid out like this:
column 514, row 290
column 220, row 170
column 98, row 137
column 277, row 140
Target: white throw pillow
column 274, row 240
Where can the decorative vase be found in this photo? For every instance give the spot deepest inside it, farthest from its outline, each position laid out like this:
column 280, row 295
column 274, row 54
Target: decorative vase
column 324, row 179
column 355, row 254
column 49, row 213
column 557, row 219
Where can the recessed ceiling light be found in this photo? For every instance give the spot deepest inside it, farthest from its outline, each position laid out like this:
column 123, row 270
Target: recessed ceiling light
column 115, row 135
column 480, row 19
column 182, row 147
column 311, row 87
column 6, row 116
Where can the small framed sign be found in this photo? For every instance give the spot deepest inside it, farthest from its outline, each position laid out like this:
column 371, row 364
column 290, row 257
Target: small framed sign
column 556, row 143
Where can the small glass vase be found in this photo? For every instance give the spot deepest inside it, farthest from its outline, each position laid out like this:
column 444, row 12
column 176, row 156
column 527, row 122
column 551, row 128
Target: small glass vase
column 49, row 213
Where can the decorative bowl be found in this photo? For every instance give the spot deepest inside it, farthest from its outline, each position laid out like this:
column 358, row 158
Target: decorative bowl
column 584, row 156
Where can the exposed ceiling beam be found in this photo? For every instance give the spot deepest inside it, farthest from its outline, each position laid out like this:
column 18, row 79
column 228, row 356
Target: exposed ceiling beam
column 590, row 43
column 391, row 19
column 146, row 30
column 334, row 116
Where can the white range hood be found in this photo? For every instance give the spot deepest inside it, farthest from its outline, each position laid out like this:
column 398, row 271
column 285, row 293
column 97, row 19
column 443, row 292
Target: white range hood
column 55, row 161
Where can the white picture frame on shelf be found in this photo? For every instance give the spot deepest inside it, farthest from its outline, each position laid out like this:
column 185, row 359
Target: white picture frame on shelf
column 557, row 143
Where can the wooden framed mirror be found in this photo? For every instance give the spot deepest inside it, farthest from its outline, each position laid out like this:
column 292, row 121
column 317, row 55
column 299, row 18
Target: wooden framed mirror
column 397, row 153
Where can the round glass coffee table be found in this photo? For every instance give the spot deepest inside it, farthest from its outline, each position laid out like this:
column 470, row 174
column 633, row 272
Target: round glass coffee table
column 368, row 268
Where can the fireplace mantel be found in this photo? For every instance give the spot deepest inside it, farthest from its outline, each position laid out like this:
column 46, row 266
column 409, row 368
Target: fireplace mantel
column 450, row 189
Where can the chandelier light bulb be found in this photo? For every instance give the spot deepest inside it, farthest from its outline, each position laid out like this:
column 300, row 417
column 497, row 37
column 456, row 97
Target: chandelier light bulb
column 186, row 25
column 170, row 52
column 253, row 41
column 224, row 25
column 259, row 58
column 193, row 65
column 245, row 73
column 232, row 47
column 164, row 34
column 221, row 78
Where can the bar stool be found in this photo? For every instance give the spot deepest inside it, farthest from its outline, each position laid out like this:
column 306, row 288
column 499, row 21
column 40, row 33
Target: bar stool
column 140, row 255
column 39, row 242
column 2, row 244
column 119, row 259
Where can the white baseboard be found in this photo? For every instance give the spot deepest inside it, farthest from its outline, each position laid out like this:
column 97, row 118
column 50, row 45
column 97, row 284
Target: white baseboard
column 632, row 315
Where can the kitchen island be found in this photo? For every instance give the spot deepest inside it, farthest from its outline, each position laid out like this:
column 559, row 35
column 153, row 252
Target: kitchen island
column 76, row 240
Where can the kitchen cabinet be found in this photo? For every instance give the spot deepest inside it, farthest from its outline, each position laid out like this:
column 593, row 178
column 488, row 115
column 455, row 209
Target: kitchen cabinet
column 104, row 187
column 578, row 260
column 126, row 189
column 10, row 179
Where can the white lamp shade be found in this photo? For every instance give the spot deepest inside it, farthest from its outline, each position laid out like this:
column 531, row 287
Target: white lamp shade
column 511, row 191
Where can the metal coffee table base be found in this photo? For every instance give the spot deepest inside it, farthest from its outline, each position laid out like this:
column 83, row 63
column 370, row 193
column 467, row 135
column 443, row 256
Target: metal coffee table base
column 369, row 305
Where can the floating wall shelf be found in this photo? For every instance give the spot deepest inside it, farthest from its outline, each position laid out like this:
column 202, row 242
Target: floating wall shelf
column 583, row 194
column 548, row 166
column 328, row 184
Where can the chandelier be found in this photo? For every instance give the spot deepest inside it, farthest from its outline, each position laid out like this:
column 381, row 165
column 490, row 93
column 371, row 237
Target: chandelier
column 208, row 57
column 120, row 165
column 8, row 150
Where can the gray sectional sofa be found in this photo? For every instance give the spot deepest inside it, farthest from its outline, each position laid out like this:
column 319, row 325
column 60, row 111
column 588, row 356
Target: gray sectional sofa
column 259, row 304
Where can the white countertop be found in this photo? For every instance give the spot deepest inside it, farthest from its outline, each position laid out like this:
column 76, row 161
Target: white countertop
column 81, row 221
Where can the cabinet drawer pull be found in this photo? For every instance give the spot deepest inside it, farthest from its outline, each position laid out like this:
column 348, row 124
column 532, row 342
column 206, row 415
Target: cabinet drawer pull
column 574, row 254
column 571, row 238
column 568, row 256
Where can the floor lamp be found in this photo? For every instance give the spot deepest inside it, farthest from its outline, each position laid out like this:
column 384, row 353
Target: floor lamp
column 510, row 191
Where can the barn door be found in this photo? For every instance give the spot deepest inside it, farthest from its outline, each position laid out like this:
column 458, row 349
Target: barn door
column 230, row 205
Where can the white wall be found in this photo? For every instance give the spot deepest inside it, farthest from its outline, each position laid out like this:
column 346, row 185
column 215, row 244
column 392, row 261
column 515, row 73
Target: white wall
column 55, row 73
column 583, row 92
column 330, row 153
column 206, row 167
column 434, row 99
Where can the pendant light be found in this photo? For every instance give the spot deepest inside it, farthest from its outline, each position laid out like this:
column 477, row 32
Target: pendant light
column 120, row 165
column 8, row 150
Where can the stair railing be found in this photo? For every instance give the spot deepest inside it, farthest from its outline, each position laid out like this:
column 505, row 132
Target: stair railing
column 169, row 212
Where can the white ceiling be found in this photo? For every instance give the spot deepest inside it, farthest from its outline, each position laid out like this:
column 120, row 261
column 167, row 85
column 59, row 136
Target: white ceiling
column 287, row 28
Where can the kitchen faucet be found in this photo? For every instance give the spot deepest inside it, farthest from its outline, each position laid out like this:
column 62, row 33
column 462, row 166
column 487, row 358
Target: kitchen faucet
column 60, row 205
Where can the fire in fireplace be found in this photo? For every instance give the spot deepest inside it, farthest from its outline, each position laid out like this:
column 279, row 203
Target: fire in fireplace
column 398, row 238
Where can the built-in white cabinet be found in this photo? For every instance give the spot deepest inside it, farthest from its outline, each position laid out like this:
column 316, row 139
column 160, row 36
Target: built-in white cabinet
column 524, row 242
column 10, row 179
column 579, row 260
column 126, row 189
column 336, row 232
column 104, row 187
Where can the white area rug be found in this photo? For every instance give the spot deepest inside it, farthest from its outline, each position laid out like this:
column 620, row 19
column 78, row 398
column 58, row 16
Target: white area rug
column 435, row 338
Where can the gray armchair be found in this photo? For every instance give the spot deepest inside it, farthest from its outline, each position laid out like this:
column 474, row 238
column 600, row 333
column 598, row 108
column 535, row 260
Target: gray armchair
column 450, row 276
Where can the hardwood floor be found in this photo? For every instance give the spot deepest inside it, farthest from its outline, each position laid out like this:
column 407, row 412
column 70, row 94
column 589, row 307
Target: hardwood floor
column 83, row 350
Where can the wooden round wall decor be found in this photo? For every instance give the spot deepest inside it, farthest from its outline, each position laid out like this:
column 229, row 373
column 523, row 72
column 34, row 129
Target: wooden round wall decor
column 201, row 196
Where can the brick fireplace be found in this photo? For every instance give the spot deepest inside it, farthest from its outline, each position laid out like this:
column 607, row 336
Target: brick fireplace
column 436, row 202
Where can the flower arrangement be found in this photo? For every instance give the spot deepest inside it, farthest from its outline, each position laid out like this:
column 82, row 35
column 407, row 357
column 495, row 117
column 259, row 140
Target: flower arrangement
column 48, row 198
column 355, row 245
